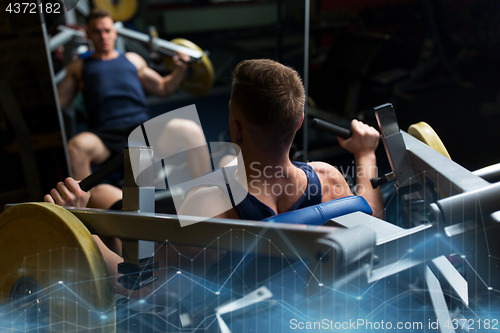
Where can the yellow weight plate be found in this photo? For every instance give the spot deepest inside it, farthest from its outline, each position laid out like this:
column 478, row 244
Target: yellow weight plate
column 120, row 10
column 52, row 274
column 427, row 135
column 201, row 80
column 424, row 132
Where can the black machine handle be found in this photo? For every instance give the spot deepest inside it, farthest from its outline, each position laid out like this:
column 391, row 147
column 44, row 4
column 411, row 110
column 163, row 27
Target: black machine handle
column 322, row 125
column 103, row 172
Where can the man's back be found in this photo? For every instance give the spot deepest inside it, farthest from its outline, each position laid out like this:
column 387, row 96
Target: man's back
column 268, row 191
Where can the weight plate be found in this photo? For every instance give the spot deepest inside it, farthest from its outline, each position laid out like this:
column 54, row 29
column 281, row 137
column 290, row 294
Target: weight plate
column 52, row 274
column 120, row 10
column 201, row 77
column 424, row 132
column 427, row 135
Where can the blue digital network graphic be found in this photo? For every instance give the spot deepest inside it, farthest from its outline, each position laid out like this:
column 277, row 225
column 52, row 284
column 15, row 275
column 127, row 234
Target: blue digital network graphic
column 255, row 285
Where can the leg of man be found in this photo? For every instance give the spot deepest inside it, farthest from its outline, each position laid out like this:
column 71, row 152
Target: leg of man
column 104, row 196
column 185, row 135
column 84, row 149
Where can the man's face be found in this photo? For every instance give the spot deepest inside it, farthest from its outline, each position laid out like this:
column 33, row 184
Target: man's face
column 102, row 34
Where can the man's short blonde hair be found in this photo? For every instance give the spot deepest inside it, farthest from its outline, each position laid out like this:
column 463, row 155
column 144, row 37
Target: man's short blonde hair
column 269, row 94
column 97, row 13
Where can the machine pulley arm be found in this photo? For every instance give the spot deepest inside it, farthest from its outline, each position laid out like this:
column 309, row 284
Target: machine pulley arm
column 161, row 45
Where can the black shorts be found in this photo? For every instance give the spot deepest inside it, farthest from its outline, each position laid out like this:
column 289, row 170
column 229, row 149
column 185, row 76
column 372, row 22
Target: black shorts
column 115, row 139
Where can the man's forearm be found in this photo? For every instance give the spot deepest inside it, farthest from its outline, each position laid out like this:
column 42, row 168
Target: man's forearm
column 366, row 168
column 172, row 81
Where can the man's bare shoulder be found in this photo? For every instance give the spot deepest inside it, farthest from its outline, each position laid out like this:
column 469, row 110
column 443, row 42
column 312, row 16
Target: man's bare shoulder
column 136, row 60
column 74, row 68
column 325, row 170
column 333, row 183
column 207, row 201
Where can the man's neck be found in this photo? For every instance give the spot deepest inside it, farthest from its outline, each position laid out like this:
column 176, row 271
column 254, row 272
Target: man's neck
column 105, row 55
column 268, row 167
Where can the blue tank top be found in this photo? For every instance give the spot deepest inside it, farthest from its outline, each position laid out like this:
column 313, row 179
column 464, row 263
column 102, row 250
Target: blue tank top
column 113, row 94
column 252, row 208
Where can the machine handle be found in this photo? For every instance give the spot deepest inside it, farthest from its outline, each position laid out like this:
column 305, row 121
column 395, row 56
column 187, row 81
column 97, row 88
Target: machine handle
column 322, row 125
column 103, row 172
column 387, row 178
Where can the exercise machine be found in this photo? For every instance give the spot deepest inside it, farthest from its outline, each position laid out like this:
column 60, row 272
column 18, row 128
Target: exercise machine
column 54, row 276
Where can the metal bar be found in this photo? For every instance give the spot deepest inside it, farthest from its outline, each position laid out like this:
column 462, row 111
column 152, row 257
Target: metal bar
column 438, row 302
column 449, row 176
column 395, row 147
column 488, row 172
column 467, row 206
column 295, row 240
column 83, row 7
column 63, row 37
column 306, row 77
column 95, row 178
column 56, row 98
column 398, row 249
column 263, row 238
column 450, row 277
column 161, row 45
column 60, row 76
column 138, row 195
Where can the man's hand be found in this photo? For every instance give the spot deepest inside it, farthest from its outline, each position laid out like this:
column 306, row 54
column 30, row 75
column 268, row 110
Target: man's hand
column 363, row 143
column 364, row 139
column 68, row 193
column 181, row 61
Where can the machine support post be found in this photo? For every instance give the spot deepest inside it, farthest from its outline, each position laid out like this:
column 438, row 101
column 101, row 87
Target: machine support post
column 138, row 195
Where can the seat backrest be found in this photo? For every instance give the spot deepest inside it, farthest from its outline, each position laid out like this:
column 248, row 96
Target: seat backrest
column 321, row 213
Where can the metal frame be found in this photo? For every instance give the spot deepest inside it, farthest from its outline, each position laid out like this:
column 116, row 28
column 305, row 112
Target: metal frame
column 381, row 249
column 160, row 45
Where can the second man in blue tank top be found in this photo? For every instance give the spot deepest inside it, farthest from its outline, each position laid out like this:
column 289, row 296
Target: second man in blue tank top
column 114, row 86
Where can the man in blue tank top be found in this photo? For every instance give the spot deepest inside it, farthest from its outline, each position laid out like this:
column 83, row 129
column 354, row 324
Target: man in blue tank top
column 113, row 86
column 265, row 111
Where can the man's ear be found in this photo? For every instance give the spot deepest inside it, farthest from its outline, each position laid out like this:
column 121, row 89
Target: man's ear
column 236, row 131
column 115, row 32
column 301, row 121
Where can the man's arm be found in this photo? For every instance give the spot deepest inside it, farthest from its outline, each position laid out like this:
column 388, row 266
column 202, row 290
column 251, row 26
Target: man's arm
column 363, row 143
column 68, row 87
column 153, row 82
column 207, row 202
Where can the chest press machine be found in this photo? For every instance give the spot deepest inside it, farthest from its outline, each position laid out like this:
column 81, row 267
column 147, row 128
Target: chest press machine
column 53, row 277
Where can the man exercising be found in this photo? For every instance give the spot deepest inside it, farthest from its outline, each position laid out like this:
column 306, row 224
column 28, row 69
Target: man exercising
column 113, row 86
column 265, row 111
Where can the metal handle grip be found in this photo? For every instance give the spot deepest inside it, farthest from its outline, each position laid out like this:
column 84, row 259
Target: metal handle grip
column 322, row 125
column 103, row 172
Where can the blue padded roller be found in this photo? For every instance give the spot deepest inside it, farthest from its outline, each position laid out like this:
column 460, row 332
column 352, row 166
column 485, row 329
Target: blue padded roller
column 321, row 213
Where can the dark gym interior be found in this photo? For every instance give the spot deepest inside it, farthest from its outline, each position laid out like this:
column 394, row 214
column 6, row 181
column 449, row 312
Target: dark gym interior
column 434, row 60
